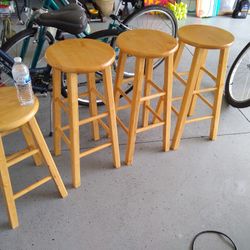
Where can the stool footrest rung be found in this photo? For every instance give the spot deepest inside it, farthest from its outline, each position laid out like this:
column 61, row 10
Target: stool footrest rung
column 65, row 138
column 149, row 97
column 129, row 79
column 95, row 149
column 123, row 126
column 125, row 95
column 155, row 86
column 20, row 155
column 62, row 105
column 123, row 107
column 204, row 90
column 210, row 105
column 210, row 74
column 199, row 119
column 92, row 118
column 98, row 94
column 180, row 78
column 153, row 112
column 177, row 98
column 155, row 125
column 175, row 110
column 104, row 126
column 31, row 187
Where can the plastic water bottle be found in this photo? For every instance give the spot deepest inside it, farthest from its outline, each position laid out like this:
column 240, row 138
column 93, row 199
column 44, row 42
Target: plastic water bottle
column 21, row 76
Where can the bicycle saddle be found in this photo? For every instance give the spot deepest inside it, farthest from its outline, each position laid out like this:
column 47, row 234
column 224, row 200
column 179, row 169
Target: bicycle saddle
column 71, row 19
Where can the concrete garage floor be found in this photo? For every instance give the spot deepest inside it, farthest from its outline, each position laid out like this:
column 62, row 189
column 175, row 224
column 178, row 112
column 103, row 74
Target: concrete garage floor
column 160, row 202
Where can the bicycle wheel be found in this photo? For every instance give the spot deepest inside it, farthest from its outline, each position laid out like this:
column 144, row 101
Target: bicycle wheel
column 153, row 17
column 237, row 89
column 107, row 36
column 13, row 47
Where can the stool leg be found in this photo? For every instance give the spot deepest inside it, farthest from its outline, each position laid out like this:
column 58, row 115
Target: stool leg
column 31, row 144
column 177, row 55
column 177, row 58
column 219, row 92
column 147, row 90
column 7, row 188
column 107, row 80
column 119, row 76
column 135, row 108
column 57, row 110
column 92, row 105
column 47, row 156
column 167, row 101
column 198, row 83
column 74, row 128
column 187, row 98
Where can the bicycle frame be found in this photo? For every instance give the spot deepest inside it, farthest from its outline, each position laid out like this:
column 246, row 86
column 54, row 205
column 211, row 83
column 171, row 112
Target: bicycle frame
column 49, row 4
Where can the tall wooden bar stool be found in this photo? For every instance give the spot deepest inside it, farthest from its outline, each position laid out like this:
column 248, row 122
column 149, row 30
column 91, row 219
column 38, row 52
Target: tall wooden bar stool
column 202, row 38
column 82, row 56
column 145, row 46
column 15, row 117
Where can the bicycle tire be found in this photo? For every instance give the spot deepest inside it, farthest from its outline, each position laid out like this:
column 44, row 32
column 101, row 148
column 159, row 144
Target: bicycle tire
column 18, row 38
column 107, row 36
column 237, row 92
column 151, row 17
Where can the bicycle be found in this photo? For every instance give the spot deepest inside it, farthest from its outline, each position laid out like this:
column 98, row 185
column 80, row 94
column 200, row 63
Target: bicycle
column 32, row 42
column 237, row 87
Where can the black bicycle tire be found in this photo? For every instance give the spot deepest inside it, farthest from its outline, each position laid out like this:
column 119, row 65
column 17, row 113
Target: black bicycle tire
column 229, row 98
column 154, row 8
column 96, row 35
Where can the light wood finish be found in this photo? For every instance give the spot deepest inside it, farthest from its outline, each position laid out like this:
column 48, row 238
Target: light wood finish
column 119, row 76
column 145, row 45
column 31, row 144
column 168, row 84
column 47, row 156
column 75, row 57
column 147, row 90
column 187, row 98
column 36, row 147
column 74, row 128
column 197, row 85
column 205, row 36
column 17, row 115
column 212, row 38
column 80, row 55
column 93, row 105
column 137, row 92
column 7, row 188
column 218, row 95
column 57, row 123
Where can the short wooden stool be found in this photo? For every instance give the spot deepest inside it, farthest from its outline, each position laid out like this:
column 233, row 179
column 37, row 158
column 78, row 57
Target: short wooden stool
column 202, row 38
column 82, row 56
column 14, row 117
column 145, row 46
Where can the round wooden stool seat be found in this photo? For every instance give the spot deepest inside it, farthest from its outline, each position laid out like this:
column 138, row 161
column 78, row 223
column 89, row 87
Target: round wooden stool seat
column 12, row 114
column 146, row 43
column 204, row 36
column 80, row 55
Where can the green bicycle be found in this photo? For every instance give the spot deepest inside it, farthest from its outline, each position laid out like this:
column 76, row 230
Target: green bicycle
column 32, row 42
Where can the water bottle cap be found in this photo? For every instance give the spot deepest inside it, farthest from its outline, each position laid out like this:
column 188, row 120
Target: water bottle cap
column 17, row 59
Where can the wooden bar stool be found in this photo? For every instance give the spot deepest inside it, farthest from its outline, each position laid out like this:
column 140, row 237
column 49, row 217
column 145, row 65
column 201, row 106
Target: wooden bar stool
column 145, row 46
column 15, row 117
column 202, row 38
column 82, row 56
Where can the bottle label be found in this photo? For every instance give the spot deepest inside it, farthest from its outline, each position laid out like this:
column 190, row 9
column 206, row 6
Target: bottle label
column 23, row 80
